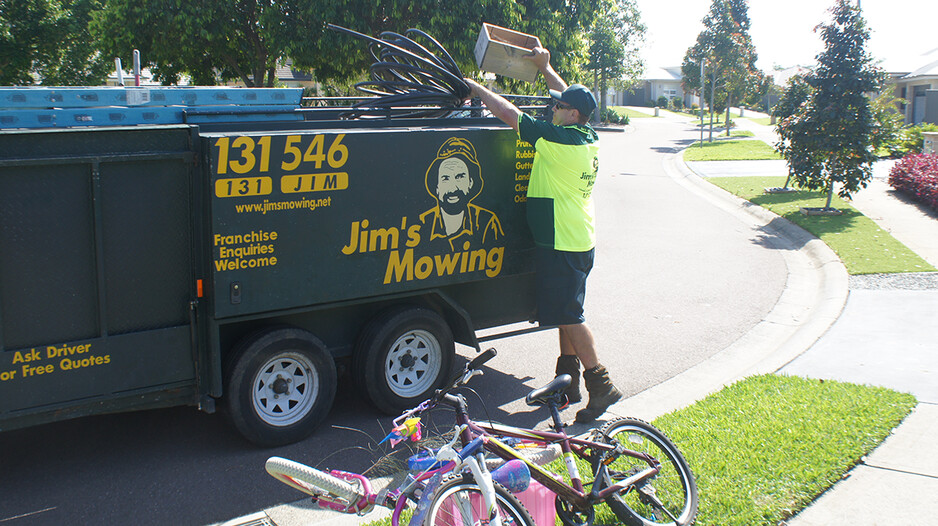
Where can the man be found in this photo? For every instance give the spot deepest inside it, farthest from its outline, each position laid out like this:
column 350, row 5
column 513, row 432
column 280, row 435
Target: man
column 560, row 214
column 454, row 178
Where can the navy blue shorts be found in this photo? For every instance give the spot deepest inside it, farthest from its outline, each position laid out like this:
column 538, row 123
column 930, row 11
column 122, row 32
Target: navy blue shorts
column 561, row 285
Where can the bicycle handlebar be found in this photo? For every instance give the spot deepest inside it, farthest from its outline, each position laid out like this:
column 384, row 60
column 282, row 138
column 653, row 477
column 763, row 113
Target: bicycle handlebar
column 471, row 369
column 482, row 358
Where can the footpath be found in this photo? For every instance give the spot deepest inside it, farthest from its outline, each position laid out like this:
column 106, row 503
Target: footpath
column 876, row 330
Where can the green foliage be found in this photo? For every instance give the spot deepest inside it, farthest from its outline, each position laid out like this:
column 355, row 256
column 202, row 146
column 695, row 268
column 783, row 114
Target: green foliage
column 888, row 124
column 75, row 60
column 726, row 48
column 245, row 39
column 615, row 39
column 910, row 139
column 829, row 138
column 612, row 116
column 662, row 102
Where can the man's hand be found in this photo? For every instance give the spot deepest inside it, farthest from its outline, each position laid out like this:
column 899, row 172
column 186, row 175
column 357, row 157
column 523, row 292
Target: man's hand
column 540, row 57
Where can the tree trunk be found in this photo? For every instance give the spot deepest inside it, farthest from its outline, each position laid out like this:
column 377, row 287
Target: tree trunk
column 726, row 123
column 830, row 192
column 713, row 86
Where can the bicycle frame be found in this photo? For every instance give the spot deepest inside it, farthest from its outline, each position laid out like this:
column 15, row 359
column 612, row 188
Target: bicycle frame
column 569, row 446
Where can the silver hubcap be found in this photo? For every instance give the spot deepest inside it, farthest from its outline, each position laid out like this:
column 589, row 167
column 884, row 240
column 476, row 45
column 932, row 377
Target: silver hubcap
column 413, row 363
column 285, row 389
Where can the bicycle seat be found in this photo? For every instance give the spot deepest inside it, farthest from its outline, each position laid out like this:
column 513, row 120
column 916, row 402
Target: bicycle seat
column 552, row 392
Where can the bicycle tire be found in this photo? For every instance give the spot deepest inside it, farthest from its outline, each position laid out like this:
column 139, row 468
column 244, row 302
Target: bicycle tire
column 311, row 480
column 674, row 486
column 458, row 502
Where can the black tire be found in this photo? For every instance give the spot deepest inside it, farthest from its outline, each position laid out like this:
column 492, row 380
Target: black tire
column 458, row 502
column 402, row 356
column 674, row 485
column 280, row 385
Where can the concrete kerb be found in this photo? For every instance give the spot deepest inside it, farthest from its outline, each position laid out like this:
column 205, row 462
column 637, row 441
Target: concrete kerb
column 813, row 298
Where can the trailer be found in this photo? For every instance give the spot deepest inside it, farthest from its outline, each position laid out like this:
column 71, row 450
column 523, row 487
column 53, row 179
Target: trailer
column 187, row 246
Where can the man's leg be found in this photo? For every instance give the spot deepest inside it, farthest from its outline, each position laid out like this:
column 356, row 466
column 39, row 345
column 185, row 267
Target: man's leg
column 578, row 340
column 568, row 363
column 602, row 392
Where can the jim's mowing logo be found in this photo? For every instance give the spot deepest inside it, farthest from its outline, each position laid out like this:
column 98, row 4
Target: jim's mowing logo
column 454, row 236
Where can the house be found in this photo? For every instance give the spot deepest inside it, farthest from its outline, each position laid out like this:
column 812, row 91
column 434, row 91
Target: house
column 657, row 82
column 919, row 90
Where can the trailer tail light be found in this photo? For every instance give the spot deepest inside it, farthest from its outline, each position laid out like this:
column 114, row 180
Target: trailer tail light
column 198, row 288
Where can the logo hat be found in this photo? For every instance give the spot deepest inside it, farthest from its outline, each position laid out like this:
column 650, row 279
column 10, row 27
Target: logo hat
column 578, row 96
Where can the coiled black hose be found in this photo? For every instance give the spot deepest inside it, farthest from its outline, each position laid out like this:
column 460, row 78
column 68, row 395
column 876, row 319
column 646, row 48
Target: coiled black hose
column 408, row 79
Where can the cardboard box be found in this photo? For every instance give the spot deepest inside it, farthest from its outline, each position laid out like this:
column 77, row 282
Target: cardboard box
column 500, row 51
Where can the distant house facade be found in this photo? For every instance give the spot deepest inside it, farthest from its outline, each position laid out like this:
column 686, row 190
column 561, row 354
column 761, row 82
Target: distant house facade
column 919, row 90
column 658, row 82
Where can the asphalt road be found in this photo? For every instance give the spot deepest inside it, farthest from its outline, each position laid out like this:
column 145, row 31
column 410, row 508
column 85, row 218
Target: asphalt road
column 676, row 280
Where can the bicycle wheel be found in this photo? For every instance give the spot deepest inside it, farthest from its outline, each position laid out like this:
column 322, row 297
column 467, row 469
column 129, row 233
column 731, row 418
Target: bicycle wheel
column 669, row 498
column 458, row 502
column 311, row 480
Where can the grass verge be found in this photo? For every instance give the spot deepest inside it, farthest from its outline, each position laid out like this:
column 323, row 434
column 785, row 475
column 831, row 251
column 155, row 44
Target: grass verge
column 861, row 245
column 632, row 114
column 767, row 446
column 730, row 150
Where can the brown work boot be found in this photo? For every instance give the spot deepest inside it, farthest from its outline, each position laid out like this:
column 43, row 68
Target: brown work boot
column 602, row 394
column 570, row 364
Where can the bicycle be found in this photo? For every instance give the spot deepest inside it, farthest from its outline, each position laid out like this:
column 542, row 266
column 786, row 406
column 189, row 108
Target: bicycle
column 647, row 483
column 457, row 488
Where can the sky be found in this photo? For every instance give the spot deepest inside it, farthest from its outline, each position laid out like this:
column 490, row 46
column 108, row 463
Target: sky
column 783, row 31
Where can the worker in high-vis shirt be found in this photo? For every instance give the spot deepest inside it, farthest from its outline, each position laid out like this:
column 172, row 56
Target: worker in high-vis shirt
column 562, row 220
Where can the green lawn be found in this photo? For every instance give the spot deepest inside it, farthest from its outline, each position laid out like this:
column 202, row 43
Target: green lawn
column 765, row 447
column 730, row 150
column 861, row 245
column 632, row 114
column 765, row 121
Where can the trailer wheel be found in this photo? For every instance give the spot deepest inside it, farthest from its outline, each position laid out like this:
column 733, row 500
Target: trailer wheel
column 280, row 386
column 402, row 356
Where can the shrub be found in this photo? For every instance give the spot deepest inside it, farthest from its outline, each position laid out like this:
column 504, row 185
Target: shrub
column 911, row 139
column 916, row 175
column 662, row 102
column 612, row 116
column 677, row 103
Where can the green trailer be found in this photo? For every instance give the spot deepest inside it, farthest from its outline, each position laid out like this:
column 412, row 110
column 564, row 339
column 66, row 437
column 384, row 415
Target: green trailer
column 246, row 253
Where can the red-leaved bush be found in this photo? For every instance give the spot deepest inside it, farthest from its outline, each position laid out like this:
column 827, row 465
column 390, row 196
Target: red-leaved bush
column 917, row 176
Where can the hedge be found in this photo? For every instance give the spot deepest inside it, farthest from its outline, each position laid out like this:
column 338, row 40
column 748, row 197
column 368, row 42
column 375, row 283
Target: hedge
column 917, row 176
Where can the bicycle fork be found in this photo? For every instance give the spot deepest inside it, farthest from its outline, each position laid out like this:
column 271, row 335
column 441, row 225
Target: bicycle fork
column 473, row 457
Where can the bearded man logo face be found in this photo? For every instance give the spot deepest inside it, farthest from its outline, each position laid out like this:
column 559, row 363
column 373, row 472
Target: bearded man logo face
column 453, row 185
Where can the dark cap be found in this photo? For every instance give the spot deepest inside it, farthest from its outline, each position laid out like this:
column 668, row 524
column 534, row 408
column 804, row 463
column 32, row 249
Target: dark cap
column 578, row 96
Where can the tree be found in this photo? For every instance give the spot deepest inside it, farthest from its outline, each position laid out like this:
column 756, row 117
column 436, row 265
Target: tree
column 727, row 50
column 28, row 33
column 828, row 140
column 613, row 51
column 796, row 96
column 245, row 39
column 75, row 59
